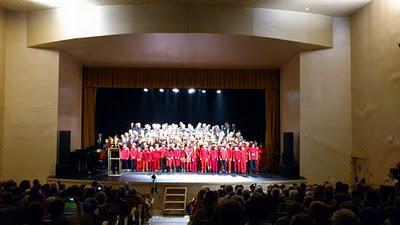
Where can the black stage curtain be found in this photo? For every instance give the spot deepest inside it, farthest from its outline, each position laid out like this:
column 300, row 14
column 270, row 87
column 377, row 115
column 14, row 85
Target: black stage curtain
column 268, row 80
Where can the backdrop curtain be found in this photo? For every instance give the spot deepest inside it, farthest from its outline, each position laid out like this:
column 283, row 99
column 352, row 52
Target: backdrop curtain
column 88, row 116
column 268, row 80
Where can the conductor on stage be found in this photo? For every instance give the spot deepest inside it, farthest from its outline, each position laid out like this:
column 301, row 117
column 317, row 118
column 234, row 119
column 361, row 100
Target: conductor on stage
column 99, row 142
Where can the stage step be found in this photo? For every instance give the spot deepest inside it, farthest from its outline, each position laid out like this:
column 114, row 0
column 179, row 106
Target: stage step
column 174, row 200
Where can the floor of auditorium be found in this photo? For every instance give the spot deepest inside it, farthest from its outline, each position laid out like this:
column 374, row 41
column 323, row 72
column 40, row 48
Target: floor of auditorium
column 160, row 220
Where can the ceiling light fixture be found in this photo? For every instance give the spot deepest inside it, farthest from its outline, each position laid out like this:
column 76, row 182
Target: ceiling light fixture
column 63, row 3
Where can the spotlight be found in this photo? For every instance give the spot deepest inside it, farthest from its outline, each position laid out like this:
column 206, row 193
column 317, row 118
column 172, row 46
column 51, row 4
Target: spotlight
column 218, row 91
column 145, row 89
column 175, row 90
column 203, row 91
column 191, row 91
column 161, row 90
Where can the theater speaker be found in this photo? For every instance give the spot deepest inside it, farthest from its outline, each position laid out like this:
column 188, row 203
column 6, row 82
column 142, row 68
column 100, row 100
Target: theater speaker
column 64, row 166
column 288, row 148
column 289, row 168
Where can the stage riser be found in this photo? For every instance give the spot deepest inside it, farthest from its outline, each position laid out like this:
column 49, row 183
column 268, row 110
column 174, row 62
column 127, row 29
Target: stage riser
column 192, row 188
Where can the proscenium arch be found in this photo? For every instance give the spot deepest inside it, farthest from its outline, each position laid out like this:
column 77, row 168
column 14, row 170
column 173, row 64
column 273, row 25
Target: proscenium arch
column 55, row 25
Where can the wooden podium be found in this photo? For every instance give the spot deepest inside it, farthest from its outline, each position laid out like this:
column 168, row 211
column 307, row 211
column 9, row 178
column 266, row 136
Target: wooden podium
column 114, row 160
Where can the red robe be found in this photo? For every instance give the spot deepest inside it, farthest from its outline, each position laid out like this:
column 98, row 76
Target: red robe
column 125, row 153
column 133, row 153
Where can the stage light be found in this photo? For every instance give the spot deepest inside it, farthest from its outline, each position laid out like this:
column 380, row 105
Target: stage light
column 191, row 91
column 161, row 90
column 218, row 91
column 175, row 90
column 145, row 90
column 203, row 91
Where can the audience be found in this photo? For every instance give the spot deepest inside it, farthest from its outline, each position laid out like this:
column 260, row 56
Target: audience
column 324, row 204
column 94, row 204
column 54, row 204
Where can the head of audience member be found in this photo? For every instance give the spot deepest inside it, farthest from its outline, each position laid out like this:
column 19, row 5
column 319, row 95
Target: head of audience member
column 370, row 216
column 344, row 217
column 34, row 213
column 372, row 198
column 230, row 212
column 319, row 212
column 210, row 199
column 56, row 208
column 254, row 208
column 301, row 219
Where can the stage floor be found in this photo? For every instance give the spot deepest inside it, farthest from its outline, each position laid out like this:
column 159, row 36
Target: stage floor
column 186, row 178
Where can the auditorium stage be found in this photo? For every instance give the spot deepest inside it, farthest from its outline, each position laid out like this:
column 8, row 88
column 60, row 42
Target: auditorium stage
column 182, row 178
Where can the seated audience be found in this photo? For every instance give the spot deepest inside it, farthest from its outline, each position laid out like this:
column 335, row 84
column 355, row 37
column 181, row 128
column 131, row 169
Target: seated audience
column 94, row 204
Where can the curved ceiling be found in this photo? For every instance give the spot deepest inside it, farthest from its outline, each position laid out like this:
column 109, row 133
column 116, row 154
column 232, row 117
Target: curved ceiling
column 324, row 7
column 181, row 51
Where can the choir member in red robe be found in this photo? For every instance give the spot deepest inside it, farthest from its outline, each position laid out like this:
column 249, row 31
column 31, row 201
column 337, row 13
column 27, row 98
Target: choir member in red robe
column 183, row 158
column 204, row 158
column 188, row 152
column 237, row 157
column 124, row 157
column 157, row 156
column 163, row 158
column 244, row 160
column 177, row 159
column 223, row 154
column 253, row 157
column 169, row 156
column 133, row 152
column 139, row 160
column 194, row 159
column 229, row 158
column 145, row 159
column 214, row 159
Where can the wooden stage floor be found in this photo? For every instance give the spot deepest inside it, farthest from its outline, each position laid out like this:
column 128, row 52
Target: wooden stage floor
column 183, row 178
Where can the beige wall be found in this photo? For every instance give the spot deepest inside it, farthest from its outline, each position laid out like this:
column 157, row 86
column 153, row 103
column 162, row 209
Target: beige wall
column 325, row 109
column 30, row 105
column 290, row 101
column 61, row 24
column 375, row 74
column 2, row 52
column 70, row 98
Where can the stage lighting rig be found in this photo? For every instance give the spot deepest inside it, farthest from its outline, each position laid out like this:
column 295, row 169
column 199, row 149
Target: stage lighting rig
column 203, row 91
column 219, row 91
column 145, row 89
column 191, row 91
column 175, row 90
column 161, row 90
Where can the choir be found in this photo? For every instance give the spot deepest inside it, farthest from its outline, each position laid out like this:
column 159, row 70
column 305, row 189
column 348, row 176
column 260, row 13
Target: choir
column 184, row 148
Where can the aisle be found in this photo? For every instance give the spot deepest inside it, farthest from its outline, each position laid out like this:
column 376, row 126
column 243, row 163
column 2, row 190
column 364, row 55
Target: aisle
column 160, row 220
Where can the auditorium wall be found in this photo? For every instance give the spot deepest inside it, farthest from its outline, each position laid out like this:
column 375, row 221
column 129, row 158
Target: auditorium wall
column 290, row 101
column 375, row 74
column 30, row 105
column 2, row 76
column 325, row 109
column 70, row 98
